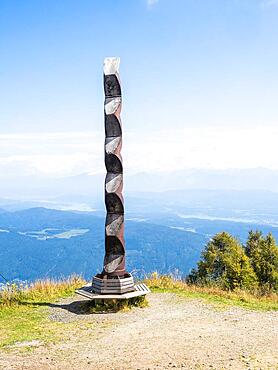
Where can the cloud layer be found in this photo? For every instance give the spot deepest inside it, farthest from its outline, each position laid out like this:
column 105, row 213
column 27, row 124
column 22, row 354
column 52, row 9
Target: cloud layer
column 151, row 3
column 268, row 3
column 68, row 154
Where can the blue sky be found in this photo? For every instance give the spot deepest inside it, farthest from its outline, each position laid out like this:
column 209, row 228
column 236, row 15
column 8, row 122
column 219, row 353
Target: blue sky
column 185, row 65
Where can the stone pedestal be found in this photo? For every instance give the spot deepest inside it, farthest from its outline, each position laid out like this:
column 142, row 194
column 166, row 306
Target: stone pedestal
column 112, row 285
column 139, row 291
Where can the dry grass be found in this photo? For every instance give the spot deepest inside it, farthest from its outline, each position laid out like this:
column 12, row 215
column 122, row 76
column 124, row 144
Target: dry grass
column 252, row 300
column 41, row 290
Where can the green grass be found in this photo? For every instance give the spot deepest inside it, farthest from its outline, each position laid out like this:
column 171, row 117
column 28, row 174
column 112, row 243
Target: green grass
column 214, row 295
column 25, row 323
column 24, row 315
column 24, row 311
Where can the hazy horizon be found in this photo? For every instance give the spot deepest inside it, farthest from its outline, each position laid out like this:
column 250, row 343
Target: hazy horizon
column 198, row 79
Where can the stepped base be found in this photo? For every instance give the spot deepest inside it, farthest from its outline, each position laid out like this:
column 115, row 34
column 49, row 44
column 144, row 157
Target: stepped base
column 139, row 290
column 114, row 285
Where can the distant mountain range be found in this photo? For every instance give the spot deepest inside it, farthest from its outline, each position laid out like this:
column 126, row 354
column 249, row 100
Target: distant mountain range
column 228, row 179
column 87, row 185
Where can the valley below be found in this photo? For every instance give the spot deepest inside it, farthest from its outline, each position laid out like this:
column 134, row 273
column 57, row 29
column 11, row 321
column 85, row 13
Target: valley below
column 164, row 232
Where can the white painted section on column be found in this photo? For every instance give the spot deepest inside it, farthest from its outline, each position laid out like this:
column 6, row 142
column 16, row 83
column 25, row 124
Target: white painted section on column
column 112, row 106
column 111, row 65
column 114, row 183
column 112, row 145
column 115, row 226
column 111, row 266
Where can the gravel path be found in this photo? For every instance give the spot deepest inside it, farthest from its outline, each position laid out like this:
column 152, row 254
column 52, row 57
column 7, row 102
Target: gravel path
column 173, row 332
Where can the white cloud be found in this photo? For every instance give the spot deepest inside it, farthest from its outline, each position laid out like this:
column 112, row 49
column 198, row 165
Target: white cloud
column 151, row 3
column 51, row 154
column 69, row 154
column 268, row 3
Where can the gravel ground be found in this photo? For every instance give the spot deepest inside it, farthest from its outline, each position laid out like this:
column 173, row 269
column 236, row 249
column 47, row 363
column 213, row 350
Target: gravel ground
column 173, row 332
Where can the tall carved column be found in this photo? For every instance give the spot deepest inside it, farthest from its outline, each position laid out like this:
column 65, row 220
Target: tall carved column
column 114, row 278
column 114, row 261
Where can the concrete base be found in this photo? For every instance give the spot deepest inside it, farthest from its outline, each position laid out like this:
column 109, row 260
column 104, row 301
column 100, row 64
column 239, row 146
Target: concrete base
column 139, row 290
column 116, row 285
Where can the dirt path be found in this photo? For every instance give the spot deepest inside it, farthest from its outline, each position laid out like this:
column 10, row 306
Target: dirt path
column 172, row 332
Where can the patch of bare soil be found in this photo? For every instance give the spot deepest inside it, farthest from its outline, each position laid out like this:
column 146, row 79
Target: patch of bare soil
column 173, row 332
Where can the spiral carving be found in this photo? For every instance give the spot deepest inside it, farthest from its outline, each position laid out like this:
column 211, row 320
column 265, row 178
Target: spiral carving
column 114, row 260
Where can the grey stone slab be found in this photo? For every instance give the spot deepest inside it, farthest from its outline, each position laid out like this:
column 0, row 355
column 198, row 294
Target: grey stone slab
column 140, row 290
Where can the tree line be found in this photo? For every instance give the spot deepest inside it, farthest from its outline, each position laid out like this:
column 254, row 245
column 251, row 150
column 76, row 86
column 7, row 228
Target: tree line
column 227, row 263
